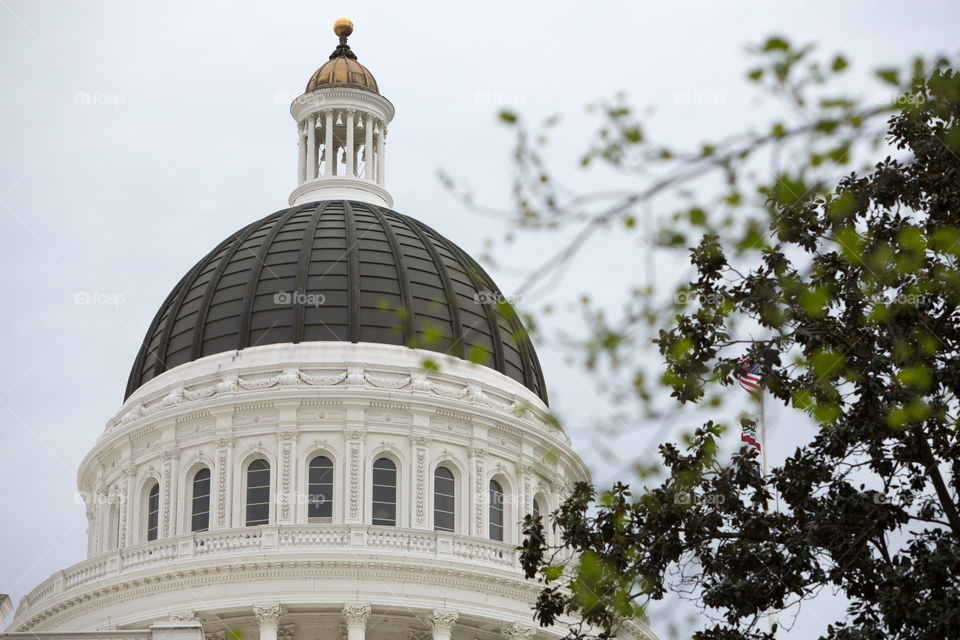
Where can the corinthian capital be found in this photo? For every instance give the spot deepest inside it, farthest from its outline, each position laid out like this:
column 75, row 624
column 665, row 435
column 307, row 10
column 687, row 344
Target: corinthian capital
column 268, row 615
column 356, row 615
column 441, row 622
column 518, row 631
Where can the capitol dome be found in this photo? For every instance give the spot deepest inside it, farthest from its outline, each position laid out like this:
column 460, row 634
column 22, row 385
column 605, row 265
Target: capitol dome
column 338, row 271
column 334, row 428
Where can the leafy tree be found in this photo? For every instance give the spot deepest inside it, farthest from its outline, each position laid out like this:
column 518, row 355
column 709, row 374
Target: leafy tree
column 849, row 298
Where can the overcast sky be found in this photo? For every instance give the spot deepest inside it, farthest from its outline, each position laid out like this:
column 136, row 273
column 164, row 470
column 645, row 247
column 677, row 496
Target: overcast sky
column 134, row 136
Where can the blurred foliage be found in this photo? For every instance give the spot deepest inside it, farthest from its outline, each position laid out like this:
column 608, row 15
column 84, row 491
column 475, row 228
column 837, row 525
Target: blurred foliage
column 842, row 282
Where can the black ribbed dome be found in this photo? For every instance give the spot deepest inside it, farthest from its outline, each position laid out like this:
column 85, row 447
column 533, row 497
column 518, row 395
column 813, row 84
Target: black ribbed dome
column 361, row 274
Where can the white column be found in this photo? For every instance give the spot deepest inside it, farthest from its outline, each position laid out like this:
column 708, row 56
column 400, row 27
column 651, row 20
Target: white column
column 380, row 143
column 268, row 617
column 349, row 146
column 311, row 147
column 302, row 155
column 368, row 148
column 441, row 623
column 329, row 155
column 356, row 616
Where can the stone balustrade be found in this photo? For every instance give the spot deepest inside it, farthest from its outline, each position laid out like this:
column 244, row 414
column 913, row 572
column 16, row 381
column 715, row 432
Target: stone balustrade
column 169, row 553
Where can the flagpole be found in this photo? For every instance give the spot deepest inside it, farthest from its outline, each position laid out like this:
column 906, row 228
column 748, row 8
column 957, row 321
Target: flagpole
column 771, row 614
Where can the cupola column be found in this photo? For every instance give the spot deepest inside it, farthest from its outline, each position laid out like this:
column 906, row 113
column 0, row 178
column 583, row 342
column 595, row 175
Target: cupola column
column 350, row 151
column 329, row 153
column 380, row 143
column 356, row 616
column 302, row 154
column 368, row 148
column 311, row 147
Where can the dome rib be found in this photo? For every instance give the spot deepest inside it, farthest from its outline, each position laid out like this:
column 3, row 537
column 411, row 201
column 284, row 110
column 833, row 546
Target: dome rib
column 303, row 270
column 381, row 277
column 403, row 278
column 488, row 309
column 139, row 363
column 186, row 285
column 452, row 303
column 353, row 273
column 253, row 281
column 241, row 236
column 160, row 366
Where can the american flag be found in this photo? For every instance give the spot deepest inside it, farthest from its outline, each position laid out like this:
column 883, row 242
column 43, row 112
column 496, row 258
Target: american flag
column 748, row 433
column 748, row 375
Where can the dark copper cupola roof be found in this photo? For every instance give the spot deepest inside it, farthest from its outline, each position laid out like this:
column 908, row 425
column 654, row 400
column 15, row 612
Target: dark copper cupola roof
column 338, row 270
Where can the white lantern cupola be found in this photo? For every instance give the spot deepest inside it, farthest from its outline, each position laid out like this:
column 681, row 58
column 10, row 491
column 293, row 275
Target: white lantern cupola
column 342, row 127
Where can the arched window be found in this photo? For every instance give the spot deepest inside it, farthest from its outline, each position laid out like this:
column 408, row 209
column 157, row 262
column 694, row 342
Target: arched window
column 258, row 493
column 444, row 499
column 385, row 492
column 320, row 490
column 536, row 509
column 496, row 511
column 153, row 512
column 200, row 509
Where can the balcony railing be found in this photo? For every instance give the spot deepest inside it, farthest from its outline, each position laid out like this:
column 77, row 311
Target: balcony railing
column 272, row 539
column 159, row 631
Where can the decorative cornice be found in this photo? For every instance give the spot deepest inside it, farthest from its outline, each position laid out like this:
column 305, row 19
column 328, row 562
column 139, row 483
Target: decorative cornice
column 356, row 615
column 413, row 381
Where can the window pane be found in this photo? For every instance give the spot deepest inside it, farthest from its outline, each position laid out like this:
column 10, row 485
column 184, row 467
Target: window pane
column 258, row 493
column 496, row 511
column 444, row 492
column 200, row 510
column 443, row 521
column 153, row 512
column 536, row 509
column 320, row 488
column 384, row 493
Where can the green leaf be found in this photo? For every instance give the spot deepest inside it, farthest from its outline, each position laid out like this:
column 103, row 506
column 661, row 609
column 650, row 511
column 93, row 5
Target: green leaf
column 890, row 76
column 776, row 44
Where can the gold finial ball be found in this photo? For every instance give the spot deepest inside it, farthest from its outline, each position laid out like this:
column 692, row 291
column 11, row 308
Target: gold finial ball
column 343, row 27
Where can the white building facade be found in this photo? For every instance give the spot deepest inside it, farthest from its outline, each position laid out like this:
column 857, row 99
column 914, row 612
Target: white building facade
column 332, row 429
